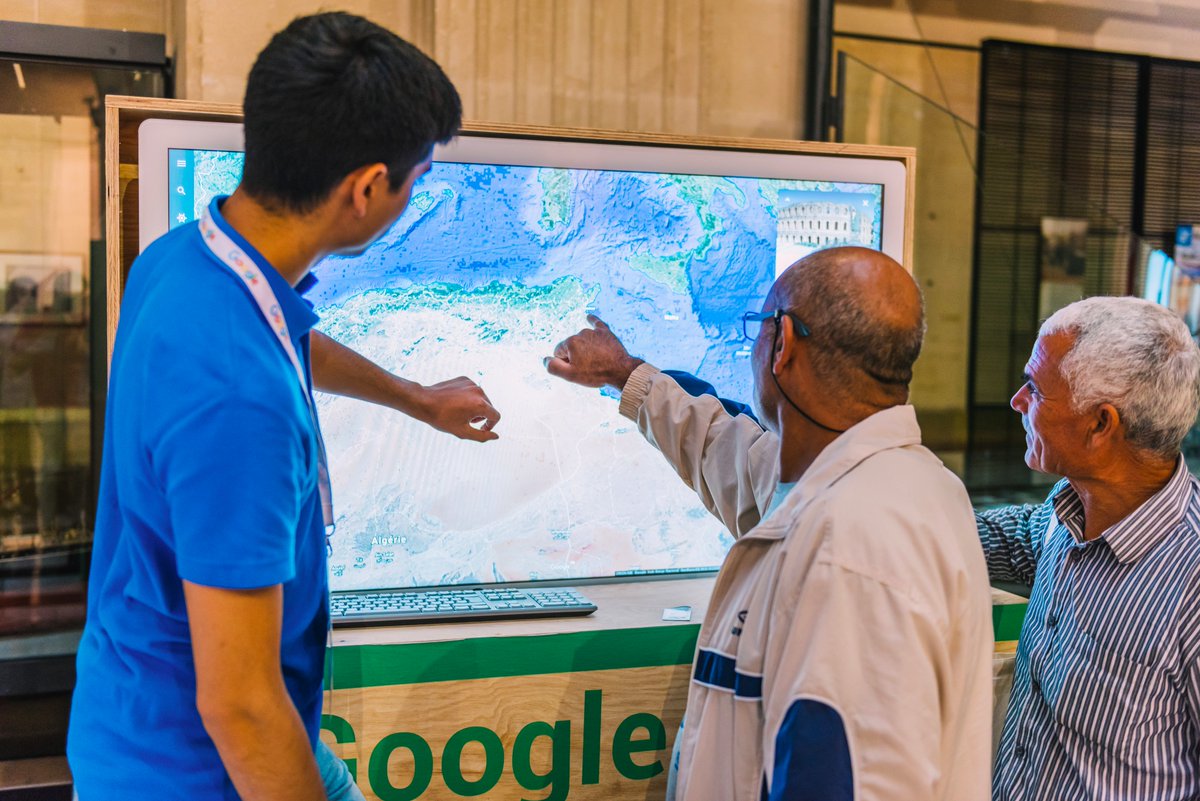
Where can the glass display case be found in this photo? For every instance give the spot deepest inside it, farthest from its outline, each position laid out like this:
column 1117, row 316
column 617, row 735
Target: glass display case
column 52, row 369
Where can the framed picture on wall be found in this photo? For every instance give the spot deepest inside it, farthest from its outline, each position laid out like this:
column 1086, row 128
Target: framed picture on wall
column 1064, row 249
column 41, row 288
column 1063, row 263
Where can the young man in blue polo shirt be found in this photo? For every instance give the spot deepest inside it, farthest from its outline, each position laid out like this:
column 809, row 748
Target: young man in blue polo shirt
column 199, row 672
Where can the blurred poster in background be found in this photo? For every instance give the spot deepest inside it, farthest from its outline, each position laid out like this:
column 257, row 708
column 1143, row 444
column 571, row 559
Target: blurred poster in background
column 1187, row 249
column 1063, row 263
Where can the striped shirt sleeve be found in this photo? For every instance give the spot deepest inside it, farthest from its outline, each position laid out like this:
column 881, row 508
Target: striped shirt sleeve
column 1012, row 538
column 1190, row 647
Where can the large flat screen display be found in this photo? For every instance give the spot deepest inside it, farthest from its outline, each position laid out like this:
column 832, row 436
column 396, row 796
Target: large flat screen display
column 505, row 248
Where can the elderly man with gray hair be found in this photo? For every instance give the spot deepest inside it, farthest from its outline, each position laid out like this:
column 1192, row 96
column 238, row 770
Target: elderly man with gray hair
column 1106, row 696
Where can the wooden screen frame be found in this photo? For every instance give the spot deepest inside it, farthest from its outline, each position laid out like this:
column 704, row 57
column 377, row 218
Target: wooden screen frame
column 123, row 115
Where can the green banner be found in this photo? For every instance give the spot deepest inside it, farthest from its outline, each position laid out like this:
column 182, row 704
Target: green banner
column 497, row 657
column 1007, row 621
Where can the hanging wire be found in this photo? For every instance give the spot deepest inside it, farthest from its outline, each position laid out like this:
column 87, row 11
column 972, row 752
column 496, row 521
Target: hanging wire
column 937, row 76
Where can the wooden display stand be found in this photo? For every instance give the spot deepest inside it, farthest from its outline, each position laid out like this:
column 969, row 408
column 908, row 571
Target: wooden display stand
column 580, row 707
column 123, row 115
column 586, row 706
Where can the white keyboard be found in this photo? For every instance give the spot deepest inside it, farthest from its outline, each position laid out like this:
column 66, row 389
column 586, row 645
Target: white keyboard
column 435, row 606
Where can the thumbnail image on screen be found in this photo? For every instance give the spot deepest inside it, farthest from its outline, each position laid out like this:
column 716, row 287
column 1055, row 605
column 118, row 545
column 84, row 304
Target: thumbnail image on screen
column 485, row 272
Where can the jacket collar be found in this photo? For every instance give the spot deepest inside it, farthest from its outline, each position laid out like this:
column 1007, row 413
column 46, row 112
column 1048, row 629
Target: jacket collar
column 895, row 427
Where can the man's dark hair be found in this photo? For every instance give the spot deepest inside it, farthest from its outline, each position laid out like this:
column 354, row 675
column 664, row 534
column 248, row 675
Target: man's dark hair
column 335, row 92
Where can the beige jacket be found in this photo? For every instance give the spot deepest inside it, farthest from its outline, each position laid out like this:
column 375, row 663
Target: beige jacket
column 846, row 652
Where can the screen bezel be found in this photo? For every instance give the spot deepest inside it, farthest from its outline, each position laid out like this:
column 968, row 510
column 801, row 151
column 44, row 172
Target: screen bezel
column 158, row 136
column 155, row 139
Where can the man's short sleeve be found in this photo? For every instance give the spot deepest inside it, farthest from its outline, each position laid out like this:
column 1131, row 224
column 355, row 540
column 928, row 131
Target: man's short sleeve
column 233, row 473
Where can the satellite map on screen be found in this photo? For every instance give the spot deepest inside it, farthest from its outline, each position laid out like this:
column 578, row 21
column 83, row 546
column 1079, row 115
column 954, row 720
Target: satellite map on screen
column 487, row 270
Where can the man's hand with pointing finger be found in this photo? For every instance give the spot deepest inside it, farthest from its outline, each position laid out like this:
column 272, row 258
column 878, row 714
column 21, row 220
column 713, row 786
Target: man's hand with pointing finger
column 592, row 358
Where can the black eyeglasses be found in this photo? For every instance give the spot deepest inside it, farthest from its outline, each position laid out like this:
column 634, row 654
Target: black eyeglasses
column 752, row 322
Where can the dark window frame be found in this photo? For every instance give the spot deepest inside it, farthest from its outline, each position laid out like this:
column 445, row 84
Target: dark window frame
column 1131, row 109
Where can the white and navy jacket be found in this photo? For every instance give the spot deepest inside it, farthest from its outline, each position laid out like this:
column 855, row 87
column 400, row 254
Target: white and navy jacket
column 846, row 652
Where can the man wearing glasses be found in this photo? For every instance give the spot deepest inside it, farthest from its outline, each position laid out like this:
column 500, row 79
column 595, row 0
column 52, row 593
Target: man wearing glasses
column 846, row 652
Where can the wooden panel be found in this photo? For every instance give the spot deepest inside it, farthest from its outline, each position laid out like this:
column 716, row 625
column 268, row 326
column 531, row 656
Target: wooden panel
column 698, row 141
column 535, row 57
column 610, row 64
column 910, row 205
column 454, row 47
column 433, row 712
column 496, row 60
column 647, row 59
column 130, row 211
column 681, row 81
column 572, row 64
column 114, row 237
column 123, row 114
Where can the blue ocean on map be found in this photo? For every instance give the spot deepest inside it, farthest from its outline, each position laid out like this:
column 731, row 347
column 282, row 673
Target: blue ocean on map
column 489, row 268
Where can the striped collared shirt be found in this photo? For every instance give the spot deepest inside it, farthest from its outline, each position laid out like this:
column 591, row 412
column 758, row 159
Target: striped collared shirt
column 1106, row 695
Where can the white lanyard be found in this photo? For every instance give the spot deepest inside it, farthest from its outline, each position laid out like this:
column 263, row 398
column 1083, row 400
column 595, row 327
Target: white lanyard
column 244, row 268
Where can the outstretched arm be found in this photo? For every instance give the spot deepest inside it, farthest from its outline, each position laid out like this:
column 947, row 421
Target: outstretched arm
column 727, row 458
column 1012, row 539
column 457, row 406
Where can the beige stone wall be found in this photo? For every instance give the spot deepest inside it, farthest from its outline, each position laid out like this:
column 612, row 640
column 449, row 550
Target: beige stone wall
column 215, row 41
column 1153, row 27
column 684, row 66
column 658, row 65
column 45, row 176
column 133, row 15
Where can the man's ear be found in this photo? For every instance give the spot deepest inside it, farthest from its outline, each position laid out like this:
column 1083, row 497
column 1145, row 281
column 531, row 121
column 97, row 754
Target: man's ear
column 1107, row 423
column 364, row 184
column 785, row 343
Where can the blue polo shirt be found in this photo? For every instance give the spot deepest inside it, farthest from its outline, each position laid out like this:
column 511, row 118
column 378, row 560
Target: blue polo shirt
column 209, row 474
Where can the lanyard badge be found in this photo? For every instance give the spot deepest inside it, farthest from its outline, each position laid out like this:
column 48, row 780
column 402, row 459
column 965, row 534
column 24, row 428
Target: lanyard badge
column 229, row 254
